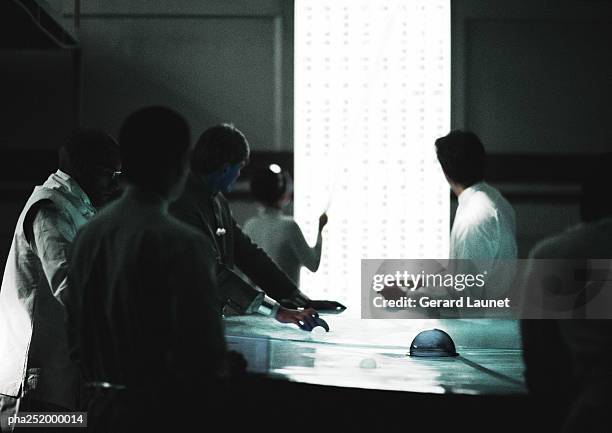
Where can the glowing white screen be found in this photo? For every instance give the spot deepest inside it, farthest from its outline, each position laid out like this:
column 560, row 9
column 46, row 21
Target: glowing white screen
column 372, row 93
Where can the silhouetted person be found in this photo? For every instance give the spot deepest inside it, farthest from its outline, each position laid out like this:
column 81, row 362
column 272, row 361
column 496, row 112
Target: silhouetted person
column 220, row 153
column 569, row 362
column 144, row 314
column 35, row 371
column 276, row 233
column 484, row 229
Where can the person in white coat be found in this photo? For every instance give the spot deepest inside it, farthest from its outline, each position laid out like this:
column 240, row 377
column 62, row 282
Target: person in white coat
column 483, row 236
column 36, row 373
column 277, row 233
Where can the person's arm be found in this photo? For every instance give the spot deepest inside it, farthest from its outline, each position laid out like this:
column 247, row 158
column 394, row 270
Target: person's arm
column 74, row 310
column 262, row 270
column 476, row 241
column 52, row 233
column 243, row 297
column 310, row 257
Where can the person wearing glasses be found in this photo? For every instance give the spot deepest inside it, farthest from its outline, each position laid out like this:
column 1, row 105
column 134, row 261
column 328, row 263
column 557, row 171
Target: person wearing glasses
column 35, row 371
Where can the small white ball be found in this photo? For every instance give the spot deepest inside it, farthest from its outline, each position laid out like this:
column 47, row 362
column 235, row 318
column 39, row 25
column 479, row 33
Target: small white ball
column 319, row 331
column 367, row 363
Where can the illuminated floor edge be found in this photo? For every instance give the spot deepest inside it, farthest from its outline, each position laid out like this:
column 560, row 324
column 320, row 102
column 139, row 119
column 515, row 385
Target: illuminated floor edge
column 372, row 354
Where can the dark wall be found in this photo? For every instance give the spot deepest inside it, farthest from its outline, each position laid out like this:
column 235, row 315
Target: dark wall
column 532, row 78
column 214, row 61
column 37, row 111
column 37, row 101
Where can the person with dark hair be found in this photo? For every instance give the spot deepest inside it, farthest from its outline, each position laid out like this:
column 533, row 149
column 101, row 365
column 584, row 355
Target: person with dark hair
column 144, row 317
column 220, row 153
column 462, row 157
column 484, row 229
column 278, row 234
column 35, row 370
column 577, row 383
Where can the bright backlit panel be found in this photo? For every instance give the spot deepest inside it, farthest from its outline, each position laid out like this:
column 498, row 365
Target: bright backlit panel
column 372, row 93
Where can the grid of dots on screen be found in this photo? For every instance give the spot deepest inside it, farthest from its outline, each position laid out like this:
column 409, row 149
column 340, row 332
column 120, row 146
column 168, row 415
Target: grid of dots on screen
column 372, row 92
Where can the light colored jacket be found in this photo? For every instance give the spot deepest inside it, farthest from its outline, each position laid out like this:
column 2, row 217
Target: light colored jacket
column 33, row 344
column 484, row 231
column 282, row 239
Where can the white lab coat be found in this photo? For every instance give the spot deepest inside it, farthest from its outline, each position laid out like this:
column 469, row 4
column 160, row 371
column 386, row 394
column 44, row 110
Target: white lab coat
column 281, row 238
column 33, row 345
column 484, row 232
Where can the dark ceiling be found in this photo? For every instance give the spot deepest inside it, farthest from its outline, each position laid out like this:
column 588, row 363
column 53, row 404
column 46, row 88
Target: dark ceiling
column 26, row 24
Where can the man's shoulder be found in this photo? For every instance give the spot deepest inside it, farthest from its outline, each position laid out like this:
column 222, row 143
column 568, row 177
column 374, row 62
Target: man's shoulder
column 579, row 241
column 44, row 208
column 489, row 203
column 190, row 209
column 481, row 209
column 166, row 234
column 288, row 224
column 282, row 226
column 560, row 245
column 487, row 198
column 187, row 200
column 172, row 231
column 548, row 248
column 103, row 221
column 175, row 227
column 495, row 196
column 51, row 200
column 177, row 238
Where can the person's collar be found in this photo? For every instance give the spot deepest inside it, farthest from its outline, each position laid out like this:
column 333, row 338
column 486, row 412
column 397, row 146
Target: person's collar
column 468, row 192
column 147, row 197
column 270, row 210
column 201, row 184
column 72, row 186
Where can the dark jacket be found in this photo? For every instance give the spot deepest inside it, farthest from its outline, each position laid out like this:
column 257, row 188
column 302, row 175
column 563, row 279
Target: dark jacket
column 142, row 306
column 210, row 214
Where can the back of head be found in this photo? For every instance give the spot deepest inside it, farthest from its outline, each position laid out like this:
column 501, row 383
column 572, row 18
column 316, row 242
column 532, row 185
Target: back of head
column 270, row 184
column 596, row 199
column 87, row 150
column 462, row 157
column 219, row 145
column 91, row 157
column 155, row 142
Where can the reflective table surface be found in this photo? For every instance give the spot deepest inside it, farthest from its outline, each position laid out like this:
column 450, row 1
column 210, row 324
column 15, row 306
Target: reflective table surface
column 373, row 354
